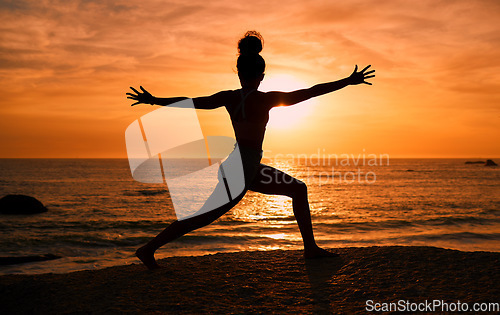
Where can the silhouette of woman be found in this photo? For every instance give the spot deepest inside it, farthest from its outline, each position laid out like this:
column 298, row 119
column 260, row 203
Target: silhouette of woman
column 249, row 112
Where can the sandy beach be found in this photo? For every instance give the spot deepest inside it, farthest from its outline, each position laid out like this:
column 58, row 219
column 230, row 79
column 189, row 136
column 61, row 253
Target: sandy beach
column 263, row 282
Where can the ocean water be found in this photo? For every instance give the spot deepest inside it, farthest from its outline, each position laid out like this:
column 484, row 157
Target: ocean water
column 98, row 215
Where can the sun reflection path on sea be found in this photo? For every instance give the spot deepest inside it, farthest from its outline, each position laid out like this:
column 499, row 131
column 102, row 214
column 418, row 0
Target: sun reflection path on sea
column 274, row 210
column 271, row 215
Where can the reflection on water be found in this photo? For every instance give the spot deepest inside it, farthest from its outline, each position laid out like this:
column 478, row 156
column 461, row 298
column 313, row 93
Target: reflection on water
column 280, row 236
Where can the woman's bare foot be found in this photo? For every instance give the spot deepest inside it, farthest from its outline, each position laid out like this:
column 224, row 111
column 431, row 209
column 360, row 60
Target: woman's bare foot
column 318, row 252
column 147, row 257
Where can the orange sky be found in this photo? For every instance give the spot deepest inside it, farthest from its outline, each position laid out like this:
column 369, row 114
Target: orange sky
column 65, row 66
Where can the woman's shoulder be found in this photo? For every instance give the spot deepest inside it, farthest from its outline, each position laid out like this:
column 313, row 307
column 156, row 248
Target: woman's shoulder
column 267, row 99
column 228, row 98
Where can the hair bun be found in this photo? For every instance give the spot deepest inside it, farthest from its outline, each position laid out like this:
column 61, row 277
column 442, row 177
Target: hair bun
column 251, row 43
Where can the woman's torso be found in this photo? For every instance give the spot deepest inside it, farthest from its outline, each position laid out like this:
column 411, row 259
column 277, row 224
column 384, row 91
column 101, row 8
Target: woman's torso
column 249, row 116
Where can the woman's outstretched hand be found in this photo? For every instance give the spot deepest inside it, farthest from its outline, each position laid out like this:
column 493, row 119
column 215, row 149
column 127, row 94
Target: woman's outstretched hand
column 142, row 98
column 360, row 77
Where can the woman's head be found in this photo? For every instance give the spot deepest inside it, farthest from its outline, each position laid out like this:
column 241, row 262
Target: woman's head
column 250, row 64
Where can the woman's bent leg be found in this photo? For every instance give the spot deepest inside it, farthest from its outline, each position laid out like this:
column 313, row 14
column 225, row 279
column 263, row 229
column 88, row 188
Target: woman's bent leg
column 272, row 181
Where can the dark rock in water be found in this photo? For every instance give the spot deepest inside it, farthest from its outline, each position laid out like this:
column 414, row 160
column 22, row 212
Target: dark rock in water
column 474, row 162
column 25, row 259
column 147, row 192
column 490, row 163
column 20, row 204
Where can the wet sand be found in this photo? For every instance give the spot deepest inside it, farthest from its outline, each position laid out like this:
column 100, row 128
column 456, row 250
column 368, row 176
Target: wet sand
column 263, row 282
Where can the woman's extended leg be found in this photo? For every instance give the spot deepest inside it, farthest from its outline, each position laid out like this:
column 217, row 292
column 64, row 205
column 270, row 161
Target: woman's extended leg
column 272, row 181
column 178, row 228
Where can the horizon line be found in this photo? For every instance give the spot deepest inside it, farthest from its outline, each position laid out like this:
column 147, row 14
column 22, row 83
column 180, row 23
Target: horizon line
column 350, row 156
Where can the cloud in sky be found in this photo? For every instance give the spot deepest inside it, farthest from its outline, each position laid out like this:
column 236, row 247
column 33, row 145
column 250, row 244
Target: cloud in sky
column 65, row 66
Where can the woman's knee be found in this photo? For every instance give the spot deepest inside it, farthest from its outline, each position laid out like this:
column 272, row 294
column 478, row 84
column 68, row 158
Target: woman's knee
column 299, row 189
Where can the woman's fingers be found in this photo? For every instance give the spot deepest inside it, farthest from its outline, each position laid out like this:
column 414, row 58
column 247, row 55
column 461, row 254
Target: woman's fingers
column 138, row 95
column 366, row 68
column 361, row 76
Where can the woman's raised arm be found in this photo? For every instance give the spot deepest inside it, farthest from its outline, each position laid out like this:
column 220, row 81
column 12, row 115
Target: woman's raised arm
column 205, row 102
column 291, row 98
column 145, row 97
column 213, row 101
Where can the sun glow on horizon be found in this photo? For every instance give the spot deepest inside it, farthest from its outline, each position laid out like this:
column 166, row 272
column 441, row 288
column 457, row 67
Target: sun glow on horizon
column 285, row 117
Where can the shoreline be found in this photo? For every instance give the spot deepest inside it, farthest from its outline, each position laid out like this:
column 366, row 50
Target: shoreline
column 275, row 281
